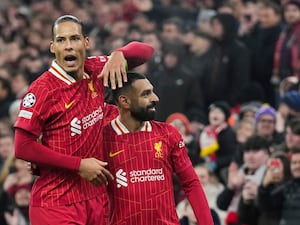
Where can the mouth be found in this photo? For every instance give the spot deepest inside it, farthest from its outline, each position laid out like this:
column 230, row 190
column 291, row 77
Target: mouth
column 70, row 60
column 151, row 107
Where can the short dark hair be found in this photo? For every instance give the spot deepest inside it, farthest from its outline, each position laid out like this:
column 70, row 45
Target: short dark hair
column 66, row 18
column 273, row 4
column 176, row 21
column 131, row 77
column 257, row 143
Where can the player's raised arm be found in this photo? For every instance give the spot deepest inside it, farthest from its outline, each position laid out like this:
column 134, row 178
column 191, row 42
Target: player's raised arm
column 131, row 55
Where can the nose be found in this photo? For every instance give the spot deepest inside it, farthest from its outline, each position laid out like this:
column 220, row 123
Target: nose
column 68, row 44
column 155, row 98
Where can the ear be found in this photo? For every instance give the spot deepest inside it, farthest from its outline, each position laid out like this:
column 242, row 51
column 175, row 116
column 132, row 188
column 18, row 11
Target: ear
column 124, row 101
column 87, row 43
column 52, row 47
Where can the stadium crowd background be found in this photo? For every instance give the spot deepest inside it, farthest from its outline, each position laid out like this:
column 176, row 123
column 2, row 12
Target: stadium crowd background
column 226, row 73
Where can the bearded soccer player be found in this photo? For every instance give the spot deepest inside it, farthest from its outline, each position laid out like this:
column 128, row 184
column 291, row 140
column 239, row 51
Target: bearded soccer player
column 143, row 155
column 64, row 108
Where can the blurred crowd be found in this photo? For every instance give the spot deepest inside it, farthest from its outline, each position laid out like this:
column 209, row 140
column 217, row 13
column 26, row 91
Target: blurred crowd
column 227, row 75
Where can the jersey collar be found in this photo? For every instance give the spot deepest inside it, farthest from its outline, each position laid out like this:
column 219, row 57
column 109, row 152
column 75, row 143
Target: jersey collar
column 120, row 128
column 57, row 71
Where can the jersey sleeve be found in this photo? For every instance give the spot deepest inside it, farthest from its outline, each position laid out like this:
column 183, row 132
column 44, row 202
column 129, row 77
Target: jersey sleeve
column 189, row 179
column 27, row 148
column 33, row 110
column 179, row 157
column 136, row 53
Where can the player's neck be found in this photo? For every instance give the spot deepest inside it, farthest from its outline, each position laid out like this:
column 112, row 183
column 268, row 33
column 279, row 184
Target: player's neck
column 77, row 75
column 130, row 123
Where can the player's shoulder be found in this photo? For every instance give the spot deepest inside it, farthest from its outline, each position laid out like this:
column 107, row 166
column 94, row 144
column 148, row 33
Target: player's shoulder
column 162, row 126
column 44, row 81
column 107, row 128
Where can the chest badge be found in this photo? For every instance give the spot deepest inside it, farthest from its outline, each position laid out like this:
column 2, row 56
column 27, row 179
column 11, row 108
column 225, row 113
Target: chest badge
column 158, row 149
column 92, row 89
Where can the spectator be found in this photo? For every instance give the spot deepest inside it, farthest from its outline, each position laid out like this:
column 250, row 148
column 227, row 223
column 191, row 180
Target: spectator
column 265, row 122
column 231, row 64
column 292, row 136
column 256, row 154
column 245, row 129
column 286, row 55
column 155, row 62
column 284, row 198
column 217, row 140
column 289, row 107
column 18, row 204
column 249, row 211
column 182, row 124
column 201, row 62
column 263, row 47
column 175, row 81
column 172, row 29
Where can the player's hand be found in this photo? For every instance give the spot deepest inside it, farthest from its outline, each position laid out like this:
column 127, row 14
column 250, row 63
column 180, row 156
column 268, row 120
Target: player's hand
column 114, row 70
column 93, row 170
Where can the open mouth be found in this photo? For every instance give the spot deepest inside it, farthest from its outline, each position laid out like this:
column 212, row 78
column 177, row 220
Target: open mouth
column 70, row 60
column 151, row 107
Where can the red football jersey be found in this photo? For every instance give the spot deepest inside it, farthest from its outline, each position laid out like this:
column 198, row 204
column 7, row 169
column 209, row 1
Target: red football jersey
column 68, row 115
column 143, row 164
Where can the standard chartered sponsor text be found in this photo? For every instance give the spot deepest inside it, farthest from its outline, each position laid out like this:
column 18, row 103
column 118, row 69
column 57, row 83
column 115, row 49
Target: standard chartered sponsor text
column 146, row 175
column 92, row 118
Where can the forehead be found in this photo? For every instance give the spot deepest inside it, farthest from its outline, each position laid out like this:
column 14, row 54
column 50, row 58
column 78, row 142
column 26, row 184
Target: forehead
column 141, row 85
column 67, row 28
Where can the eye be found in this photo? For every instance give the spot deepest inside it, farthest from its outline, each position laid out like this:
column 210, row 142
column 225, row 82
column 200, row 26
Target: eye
column 75, row 38
column 59, row 40
column 146, row 93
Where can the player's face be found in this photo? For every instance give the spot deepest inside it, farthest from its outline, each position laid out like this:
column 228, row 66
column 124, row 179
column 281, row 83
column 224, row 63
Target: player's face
column 143, row 101
column 69, row 46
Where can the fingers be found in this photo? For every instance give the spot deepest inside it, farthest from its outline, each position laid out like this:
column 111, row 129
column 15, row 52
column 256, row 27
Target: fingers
column 105, row 78
column 103, row 177
column 108, row 175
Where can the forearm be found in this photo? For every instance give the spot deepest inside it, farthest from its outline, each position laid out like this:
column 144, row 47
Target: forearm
column 136, row 53
column 194, row 192
column 224, row 198
column 27, row 148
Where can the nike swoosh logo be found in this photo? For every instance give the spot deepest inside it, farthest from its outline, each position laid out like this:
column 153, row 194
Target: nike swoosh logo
column 67, row 106
column 113, row 154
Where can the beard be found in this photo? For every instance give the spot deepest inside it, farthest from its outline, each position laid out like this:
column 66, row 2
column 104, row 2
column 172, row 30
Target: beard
column 143, row 114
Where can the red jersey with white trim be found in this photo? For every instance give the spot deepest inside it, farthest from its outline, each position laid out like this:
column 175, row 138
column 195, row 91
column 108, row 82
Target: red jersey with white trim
column 68, row 115
column 143, row 164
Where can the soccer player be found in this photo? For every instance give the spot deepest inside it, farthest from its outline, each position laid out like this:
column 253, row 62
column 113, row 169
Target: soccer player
column 64, row 109
column 143, row 154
